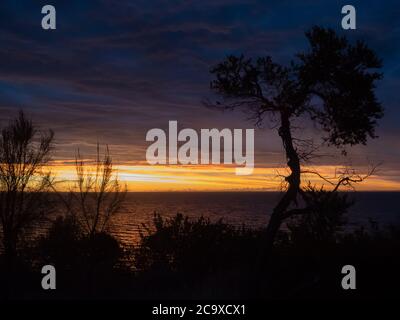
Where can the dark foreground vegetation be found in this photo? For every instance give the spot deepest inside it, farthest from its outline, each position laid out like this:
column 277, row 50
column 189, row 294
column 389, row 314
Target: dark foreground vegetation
column 184, row 259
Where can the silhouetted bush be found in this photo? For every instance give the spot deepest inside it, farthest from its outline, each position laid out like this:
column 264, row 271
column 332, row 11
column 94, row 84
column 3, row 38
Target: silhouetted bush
column 101, row 250
column 373, row 241
column 68, row 247
column 60, row 246
column 325, row 220
column 191, row 246
column 184, row 258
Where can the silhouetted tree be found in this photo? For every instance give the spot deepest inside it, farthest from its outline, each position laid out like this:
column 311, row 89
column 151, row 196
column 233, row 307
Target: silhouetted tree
column 97, row 195
column 24, row 151
column 332, row 84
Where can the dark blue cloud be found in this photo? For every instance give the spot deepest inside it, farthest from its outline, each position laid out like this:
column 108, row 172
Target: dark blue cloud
column 114, row 69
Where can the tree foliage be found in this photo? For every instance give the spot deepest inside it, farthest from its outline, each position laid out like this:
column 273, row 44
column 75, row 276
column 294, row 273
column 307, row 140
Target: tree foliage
column 333, row 84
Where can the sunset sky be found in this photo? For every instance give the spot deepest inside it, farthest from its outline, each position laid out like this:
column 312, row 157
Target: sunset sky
column 115, row 69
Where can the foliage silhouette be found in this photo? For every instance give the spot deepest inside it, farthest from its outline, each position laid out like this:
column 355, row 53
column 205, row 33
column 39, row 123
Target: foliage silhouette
column 325, row 219
column 189, row 246
column 332, row 84
column 97, row 194
column 68, row 247
column 24, row 184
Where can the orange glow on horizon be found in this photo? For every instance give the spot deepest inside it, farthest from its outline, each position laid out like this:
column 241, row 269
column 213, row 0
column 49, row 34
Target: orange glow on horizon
column 147, row 178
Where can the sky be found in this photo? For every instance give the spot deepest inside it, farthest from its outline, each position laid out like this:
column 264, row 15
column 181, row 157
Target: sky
column 113, row 70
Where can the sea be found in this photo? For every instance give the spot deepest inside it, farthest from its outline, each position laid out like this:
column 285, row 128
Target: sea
column 249, row 209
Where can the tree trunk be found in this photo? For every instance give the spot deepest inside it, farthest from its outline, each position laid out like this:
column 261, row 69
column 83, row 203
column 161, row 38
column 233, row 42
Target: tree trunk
column 293, row 180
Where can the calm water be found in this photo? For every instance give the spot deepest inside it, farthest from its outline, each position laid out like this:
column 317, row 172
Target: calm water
column 250, row 209
column 236, row 208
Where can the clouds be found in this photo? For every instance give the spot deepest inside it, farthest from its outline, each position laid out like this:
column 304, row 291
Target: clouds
column 114, row 69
